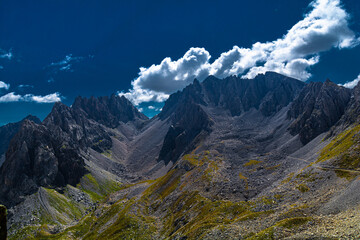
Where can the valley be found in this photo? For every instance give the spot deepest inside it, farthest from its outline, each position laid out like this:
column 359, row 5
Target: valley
column 264, row 158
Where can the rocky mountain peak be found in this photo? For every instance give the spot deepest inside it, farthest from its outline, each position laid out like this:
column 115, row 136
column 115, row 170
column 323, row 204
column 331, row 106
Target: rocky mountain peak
column 267, row 92
column 35, row 158
column 108, row 111
column 8, row 131
column 318, row 107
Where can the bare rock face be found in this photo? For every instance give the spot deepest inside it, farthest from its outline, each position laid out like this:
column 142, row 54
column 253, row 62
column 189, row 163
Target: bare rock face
column 3, row 220
column 35, row 158
column 266, row 92
column 8, row 131
column 318, row 107
column 191, row 122
column 352, row 112
column 108, row 111
column 74, row 128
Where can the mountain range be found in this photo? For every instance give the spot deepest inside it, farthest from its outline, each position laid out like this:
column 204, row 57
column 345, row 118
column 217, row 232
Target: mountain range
column 264, row 158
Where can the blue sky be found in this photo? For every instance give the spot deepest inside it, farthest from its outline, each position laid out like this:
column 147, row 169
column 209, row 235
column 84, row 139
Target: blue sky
column 59, row 49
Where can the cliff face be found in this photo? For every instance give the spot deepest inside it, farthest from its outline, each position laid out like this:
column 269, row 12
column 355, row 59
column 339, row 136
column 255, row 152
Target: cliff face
column 74, row 128
column 8, row 131
column 266, row 92
column 109, row 111
column 352, row 111
column 317, row 108
column 38, row 157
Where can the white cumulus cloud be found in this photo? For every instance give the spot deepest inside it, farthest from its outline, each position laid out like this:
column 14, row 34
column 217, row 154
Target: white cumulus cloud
column 351, row 84
column 158, row 81
column 13, row 97
column 4, row 85
column 324, row 27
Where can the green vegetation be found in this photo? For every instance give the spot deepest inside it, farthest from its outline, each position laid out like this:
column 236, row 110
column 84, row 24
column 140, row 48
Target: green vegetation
column 205, row 215
column 272, row 168
column 288, row 223
column 242, row 177
column 295, row 211
column 293, row 222
column 253, row 215
column 266, row 200
column 350, row 160
column 173, row 206
column 67, row 209
column 307, row 176
column 252, row 163
column 302, row 188
column 288, row 179
column 245, row 179
column 28, row 232
column 194, row 159
column 340, row 144
column 163, row 186
column 122, row 223
column 107, row 153
column 98, row 188
column 346, row 174
column 346, row 147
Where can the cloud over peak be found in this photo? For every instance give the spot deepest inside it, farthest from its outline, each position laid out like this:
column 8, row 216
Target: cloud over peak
column 324, row 27
column 156, row 82
column 352, row 84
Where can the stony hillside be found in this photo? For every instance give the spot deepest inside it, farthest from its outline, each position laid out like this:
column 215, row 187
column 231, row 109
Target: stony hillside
column 266, row 158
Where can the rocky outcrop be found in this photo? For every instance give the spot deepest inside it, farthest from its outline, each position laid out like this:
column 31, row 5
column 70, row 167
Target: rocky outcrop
column 8, row 131
column 317, row 108
column 3, row 220
column 352, row 112
column 72, row 127
column 191, row 123
column 109, row 111
column 36, row 158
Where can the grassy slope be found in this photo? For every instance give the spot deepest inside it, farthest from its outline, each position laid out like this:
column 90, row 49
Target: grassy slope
column 172, row 207
column 61, row 209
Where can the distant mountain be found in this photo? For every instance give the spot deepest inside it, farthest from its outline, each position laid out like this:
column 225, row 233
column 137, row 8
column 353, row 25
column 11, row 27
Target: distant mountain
column 263, row 158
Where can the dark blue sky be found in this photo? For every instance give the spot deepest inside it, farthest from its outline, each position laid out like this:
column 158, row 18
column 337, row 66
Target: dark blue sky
column 109, row 40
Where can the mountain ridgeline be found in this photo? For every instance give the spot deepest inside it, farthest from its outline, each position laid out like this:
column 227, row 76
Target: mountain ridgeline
column 228, row 145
